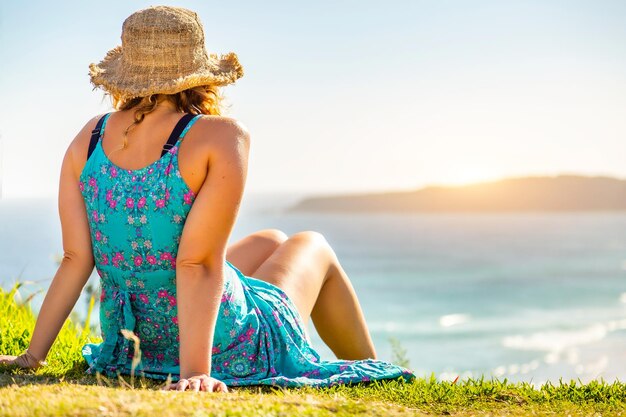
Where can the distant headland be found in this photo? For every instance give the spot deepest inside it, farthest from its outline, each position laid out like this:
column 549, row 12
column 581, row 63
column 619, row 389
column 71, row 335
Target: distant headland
column 539, row 193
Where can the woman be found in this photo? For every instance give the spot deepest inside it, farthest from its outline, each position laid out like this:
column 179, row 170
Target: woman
column 156, row 229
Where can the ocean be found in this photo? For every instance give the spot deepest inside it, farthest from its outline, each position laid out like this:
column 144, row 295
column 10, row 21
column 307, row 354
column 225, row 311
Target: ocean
column 525, row 296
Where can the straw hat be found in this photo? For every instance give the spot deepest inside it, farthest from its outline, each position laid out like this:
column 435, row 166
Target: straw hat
column 162, row 51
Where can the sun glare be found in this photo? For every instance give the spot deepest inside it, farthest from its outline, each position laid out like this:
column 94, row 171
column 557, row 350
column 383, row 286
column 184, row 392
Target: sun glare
column 467, row 178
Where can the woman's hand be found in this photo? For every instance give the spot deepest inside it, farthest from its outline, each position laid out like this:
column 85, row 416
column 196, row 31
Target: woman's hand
column 24, row 361
column 201, row 382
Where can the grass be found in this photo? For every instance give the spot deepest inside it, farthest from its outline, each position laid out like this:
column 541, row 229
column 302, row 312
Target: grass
column 62, row 388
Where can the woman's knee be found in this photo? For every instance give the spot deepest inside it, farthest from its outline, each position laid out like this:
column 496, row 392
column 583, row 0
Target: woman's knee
column 273, row 237
column 317, row 241
column 310, row 235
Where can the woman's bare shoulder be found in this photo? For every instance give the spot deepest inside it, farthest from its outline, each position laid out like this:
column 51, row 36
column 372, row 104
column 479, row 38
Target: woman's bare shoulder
column 212, row 138
column 220, row 128
column 216, row 137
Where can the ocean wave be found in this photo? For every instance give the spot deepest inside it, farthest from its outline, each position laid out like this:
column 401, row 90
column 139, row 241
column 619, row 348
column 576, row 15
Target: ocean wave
column 559, row 340
column 424, row 327
column 450, row 320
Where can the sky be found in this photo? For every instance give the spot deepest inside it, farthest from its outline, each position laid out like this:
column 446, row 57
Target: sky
column 348, row 96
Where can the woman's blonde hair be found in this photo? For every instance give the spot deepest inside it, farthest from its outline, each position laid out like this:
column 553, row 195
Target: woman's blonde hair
column 206, row 99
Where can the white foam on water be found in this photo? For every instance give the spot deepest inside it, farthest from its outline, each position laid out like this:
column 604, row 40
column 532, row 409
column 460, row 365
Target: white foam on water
column 593, row 368
column 552, row 358
column 450, row 320
column 556, row 340
column 499, row 371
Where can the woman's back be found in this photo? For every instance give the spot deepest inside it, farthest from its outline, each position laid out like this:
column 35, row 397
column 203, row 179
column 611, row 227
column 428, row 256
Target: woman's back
column 136, row 217
column 148, row 203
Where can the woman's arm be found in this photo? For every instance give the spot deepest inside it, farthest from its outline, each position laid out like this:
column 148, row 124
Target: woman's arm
column 74, row 270
column 202, row 251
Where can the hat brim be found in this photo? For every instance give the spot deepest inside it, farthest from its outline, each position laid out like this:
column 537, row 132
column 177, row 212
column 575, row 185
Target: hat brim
column 111, row 75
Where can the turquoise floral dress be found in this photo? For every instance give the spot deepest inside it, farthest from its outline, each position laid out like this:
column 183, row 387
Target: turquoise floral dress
column 136, row 218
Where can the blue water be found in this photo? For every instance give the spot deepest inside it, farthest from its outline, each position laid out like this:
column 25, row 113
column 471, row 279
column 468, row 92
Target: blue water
column 526, row 296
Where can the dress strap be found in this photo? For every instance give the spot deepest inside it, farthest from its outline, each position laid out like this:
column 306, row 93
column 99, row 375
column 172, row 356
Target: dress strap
column 96, row 134
column 179, row 131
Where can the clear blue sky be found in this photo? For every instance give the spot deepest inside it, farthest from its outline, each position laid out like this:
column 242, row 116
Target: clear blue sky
column 350, row 95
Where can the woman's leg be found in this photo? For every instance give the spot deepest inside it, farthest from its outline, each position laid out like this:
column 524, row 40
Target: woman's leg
column 307, row 269
column 249, row 253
